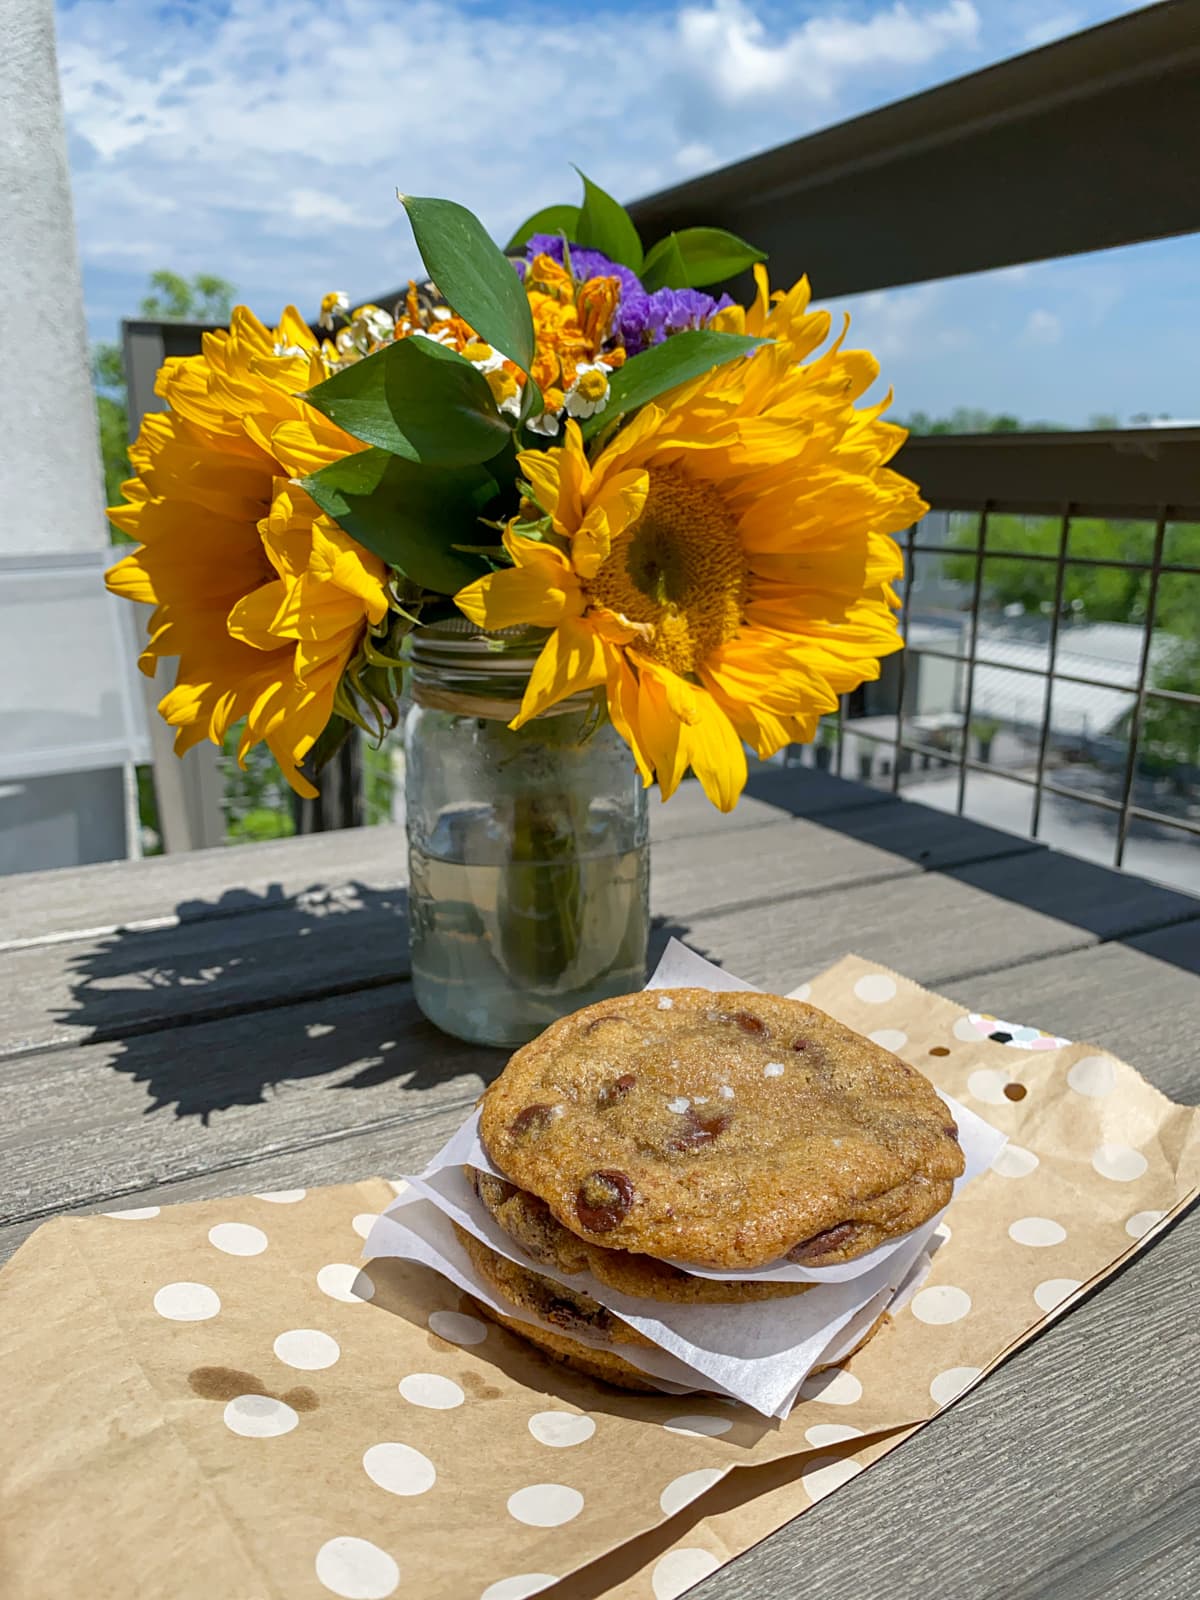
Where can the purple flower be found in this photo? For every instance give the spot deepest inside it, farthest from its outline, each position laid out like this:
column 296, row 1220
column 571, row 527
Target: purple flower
column 643, row 319
column 585, row 264
column 648, row 319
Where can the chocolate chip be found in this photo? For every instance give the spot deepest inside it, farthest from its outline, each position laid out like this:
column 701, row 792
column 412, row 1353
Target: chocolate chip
column 750, row 1024
column 810, row 1252
column 698, row 1128
column 800, row 1044
column 532, row 1120
column 617, row 1090
column 603, row 1199
column 950, row 1130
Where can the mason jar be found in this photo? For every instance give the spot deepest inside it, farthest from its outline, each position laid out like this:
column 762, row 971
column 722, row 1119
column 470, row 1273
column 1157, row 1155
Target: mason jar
column 528, row 851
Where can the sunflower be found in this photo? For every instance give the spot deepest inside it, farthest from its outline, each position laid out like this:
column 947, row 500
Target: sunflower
column 723, row 567
column 262, row 598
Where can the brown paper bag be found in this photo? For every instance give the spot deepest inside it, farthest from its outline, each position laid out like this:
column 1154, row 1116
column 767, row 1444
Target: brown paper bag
column 215, row 1400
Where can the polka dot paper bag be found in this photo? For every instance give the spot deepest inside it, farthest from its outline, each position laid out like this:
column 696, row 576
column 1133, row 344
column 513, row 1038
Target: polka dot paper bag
column 216, row 1400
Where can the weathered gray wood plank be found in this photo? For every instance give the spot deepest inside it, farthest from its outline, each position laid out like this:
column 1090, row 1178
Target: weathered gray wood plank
column 246, row 878
column 65, row 992
column 75, row 1124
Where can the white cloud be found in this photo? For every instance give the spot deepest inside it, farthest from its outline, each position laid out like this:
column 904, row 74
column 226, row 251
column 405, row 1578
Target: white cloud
column 728, row 46
column 1042, row 327
column 264, row 139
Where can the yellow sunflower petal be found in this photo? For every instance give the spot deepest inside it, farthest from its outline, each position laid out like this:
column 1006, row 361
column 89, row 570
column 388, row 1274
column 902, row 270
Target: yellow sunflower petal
column 573, row 659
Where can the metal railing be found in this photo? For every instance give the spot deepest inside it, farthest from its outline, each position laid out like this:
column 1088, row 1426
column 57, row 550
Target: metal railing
column 1069, row 477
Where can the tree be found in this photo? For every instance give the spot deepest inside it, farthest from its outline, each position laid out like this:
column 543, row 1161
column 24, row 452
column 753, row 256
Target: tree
column 170, row 298
column 969, row 419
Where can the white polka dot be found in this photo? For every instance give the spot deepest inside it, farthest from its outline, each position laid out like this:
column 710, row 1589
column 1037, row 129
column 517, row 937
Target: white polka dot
column 889, row 1039
column 238, row 1239
column 687, row 1487
column 307, row 1348
column 431, row 1390
column 399, row 1469
column 257, row 1416
column 679, row 1105
column 1119, row 1162
column 699, row 1426
column 340, row 1281
column 773, row 1069
column 951, row 1383
column 1014, row 1162
column 545, row 1505
column 940, row 1303
column 1037, row 1231
column 966, row 1030
column 802, row 993
column 187, row 1302
column 458, row 1328
column 1094, row 1076
column 665, row 1002
column 835, row 1387
column 876, row 988
column 356, row 1569
column 987, row 1084
column 518, row 1588
column 679, row 1570
column 1141, row 1222
column 559, row 1429
column 823, row 1434
column 364, row 1222
column 1054, row 1291
column 134, row 1214
column 828, row 1473
column 282, row 1197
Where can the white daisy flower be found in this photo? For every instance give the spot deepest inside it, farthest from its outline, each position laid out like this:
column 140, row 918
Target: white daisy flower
column 589, row 393
column 547, row 424
column 331, row 305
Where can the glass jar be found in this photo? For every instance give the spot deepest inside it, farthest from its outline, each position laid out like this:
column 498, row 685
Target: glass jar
column 528, row 851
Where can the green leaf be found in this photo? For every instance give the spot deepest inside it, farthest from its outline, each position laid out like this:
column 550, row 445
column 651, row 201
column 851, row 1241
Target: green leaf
column 664, row 267
column 551, row 219
column 696, row 257
column 607, row 226
column 664, row 366
column 476, row 278
column 416, row 399
column 408, row 515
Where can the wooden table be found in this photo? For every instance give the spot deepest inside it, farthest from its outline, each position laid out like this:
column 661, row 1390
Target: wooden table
column 240, row 1020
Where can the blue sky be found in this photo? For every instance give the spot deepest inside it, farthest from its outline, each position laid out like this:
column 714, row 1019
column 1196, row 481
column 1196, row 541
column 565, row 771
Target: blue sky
column 264, row 140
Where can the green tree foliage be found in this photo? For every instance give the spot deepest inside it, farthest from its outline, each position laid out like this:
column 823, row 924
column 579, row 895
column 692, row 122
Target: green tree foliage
column 1170, row 730
column 970, row 419
column 169, row 298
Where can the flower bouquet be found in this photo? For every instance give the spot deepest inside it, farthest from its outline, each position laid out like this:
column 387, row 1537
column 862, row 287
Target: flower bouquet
column 563, row 487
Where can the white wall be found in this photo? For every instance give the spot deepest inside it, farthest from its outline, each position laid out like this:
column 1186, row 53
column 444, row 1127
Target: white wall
column 51, row 487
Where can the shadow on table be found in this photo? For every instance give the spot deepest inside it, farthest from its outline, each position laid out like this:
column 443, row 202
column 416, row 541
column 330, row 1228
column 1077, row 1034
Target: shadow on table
column 230, row 998
column 1110, row 905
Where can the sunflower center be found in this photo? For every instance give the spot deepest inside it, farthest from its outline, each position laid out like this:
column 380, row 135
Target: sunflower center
column 678, row 571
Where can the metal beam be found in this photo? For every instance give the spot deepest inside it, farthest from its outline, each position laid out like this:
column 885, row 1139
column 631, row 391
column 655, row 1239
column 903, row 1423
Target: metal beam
column 1083, row 145
column 1133, row 472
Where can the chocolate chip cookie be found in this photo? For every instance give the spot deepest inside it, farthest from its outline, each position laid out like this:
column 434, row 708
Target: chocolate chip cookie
column 568, row 1309
column 528, row 1222
column 721, row 1130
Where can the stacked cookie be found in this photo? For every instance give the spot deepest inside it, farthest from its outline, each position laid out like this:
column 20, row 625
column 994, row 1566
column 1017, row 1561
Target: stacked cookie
column 679, row 1129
